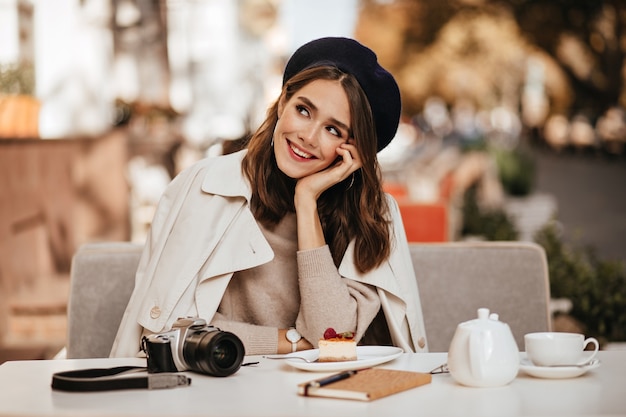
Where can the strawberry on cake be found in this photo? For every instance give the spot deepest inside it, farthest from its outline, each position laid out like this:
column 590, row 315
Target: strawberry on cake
column 337, row 347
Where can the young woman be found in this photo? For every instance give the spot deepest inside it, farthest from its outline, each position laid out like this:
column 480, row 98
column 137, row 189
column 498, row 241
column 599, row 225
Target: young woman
column 293, row 234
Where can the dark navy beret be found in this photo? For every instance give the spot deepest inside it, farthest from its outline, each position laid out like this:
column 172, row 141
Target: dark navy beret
column 353, row 58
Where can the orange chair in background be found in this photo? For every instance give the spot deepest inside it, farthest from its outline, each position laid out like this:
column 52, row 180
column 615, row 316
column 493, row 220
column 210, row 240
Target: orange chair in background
column 397, row 190
column 423, row 222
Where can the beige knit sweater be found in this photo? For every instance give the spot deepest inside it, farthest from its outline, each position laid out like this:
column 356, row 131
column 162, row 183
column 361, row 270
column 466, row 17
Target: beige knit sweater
column 297, row 288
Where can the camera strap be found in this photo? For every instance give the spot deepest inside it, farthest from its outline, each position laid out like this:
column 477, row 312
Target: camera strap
column 107, row 379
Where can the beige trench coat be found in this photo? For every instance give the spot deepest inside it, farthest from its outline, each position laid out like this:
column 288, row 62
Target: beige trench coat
column 183, row 263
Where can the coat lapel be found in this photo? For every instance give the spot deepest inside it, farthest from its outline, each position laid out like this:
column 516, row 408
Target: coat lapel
column 212, row 224
column 242, row 244
column 381, row 277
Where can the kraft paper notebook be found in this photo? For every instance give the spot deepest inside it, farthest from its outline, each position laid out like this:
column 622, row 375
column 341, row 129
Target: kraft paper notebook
column 364, row 385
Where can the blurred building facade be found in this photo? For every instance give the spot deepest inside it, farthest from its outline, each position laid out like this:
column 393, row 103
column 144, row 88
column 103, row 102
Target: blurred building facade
column 123, row 95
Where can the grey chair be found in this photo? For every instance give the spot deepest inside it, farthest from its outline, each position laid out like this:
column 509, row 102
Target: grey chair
column 102, row 279
column 454, row 280
column 457, row 278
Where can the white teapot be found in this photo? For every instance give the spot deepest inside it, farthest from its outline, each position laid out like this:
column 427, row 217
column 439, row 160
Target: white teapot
column 483, row 352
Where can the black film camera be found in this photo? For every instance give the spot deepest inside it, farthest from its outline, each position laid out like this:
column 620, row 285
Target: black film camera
column 192, row 345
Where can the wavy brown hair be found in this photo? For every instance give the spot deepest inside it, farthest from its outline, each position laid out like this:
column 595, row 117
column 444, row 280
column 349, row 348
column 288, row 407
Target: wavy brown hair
column 358, row 212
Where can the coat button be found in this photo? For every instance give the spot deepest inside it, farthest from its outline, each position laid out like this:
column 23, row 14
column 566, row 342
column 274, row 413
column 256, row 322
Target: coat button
column 421, row 342
column 155, row 312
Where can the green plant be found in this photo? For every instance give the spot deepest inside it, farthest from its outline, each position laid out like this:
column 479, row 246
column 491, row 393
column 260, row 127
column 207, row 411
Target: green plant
column 596, row 288
column 17, row 79
column 516, row 168
column 492, row 224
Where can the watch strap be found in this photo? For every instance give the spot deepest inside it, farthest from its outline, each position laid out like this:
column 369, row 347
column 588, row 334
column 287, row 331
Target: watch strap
column 294, row 343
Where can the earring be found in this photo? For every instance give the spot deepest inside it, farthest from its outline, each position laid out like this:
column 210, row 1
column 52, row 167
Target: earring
column 274, row 133
column 351, row 182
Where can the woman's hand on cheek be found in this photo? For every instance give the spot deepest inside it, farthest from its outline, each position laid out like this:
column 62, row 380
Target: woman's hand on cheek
column 315, row 184
column 309, row 188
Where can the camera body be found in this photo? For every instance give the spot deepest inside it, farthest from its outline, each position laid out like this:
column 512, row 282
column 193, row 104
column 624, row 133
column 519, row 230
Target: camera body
column 193, row 345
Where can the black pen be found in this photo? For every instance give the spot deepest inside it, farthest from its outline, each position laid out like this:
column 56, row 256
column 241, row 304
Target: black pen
column 330, row 379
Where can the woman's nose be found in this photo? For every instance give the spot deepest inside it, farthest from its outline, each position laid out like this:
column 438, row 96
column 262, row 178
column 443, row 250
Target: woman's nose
column 310, row 135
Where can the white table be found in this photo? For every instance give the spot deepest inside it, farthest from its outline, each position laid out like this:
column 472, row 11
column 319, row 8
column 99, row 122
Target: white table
column 269, row 389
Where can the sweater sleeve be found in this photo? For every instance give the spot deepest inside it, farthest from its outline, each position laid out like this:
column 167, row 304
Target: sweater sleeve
column 257, row 340
column 329, row 300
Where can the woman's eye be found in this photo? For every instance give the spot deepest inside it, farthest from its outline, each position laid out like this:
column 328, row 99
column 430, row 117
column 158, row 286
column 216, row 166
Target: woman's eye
column 334, row 131
column 302, row 110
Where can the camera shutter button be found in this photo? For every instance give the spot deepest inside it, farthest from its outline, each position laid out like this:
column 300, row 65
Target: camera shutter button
column 155, row 312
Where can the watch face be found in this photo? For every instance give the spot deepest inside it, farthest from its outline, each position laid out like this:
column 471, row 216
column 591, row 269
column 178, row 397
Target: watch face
column 293, row 336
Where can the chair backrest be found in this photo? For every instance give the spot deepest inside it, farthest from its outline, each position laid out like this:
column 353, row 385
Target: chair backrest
column 456, row 279
column 102, row 279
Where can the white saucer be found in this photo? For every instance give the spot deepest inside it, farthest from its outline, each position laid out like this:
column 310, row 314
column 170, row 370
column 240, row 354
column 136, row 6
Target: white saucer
column 368, row 356
column 556, row 372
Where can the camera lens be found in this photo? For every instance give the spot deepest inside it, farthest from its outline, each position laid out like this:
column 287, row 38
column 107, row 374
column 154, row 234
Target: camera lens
column 213, row 352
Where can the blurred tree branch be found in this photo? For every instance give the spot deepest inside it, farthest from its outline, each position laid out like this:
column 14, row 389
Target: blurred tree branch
column 585, row 38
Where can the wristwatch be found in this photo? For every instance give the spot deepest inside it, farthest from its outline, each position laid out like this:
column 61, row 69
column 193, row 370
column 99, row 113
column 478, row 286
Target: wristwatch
column 293, row 336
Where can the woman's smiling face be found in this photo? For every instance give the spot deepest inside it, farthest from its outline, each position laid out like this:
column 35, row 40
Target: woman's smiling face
column 311, row 126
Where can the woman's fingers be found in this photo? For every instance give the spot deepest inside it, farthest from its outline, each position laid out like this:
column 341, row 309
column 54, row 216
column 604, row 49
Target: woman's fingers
column 350, row 157
column 349, row 162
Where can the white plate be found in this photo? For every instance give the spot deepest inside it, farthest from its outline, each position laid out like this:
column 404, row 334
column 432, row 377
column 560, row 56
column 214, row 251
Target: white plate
column 559, row 372
column 367, row 356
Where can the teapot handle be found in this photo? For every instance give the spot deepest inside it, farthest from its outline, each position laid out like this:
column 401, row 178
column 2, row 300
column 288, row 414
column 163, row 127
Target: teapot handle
column 477, row 363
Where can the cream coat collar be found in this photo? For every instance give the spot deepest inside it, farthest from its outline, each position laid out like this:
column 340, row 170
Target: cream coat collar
column 224, row 177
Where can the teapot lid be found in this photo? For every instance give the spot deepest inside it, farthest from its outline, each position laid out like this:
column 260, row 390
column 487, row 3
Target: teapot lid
column 483, row 314
column 485, row 318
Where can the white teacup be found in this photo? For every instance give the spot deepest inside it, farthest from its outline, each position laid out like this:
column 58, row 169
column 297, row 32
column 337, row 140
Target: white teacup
column 559, row 348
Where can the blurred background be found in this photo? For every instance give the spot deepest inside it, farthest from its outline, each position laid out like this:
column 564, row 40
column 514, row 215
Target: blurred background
column 513, row 128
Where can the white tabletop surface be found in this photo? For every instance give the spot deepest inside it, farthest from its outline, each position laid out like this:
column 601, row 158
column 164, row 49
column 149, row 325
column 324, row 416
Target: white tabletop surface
column 269, row 389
